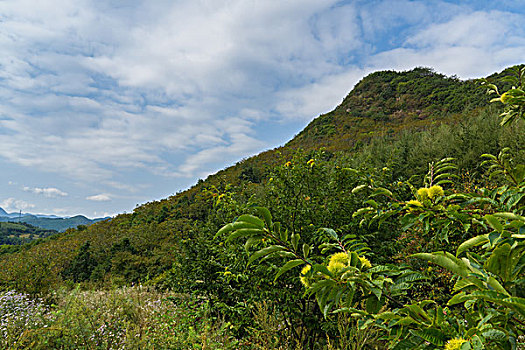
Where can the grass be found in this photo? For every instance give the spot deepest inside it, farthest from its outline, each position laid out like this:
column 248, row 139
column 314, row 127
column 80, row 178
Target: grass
column 126, row 318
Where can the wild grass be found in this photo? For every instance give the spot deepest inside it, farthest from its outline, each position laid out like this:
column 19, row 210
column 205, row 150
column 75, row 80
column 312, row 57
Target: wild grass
column 126, row 318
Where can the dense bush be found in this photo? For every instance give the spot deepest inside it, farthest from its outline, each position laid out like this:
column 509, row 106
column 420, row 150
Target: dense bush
column 484, row 226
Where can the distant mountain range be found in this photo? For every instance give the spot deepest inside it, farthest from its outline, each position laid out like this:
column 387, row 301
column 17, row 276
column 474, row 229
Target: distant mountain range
column 49, row 222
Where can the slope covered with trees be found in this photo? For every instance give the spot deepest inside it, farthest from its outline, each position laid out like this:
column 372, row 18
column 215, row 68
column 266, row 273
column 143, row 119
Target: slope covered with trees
column 15, row 233
column 331, row 186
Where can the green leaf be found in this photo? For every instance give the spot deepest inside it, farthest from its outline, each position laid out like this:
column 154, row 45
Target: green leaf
column 252, row 241
column 243, row 224
column 381, row 191
column 517, row 303
column 410, row 276
column 489, row 156
column 295, row 240
column 283, row 234
column 265, row 213
column 406, row 344
column 518, row 173
column 265, row 251
column 363, row 211
column 445, row 260
column 441, row 170
column 251, row 220
column 418, row 313
column 377, row 291
column 497, row 286
column 462, row 284
column 387, row 315
column 288, row 266
column 465, row 346
column 359, row 188
column 493, row 237
column 306, row 250
column 431, row 335
column 495, row 334
column 472, row 242
column 510, row 216
column 498, row 262
column 494, row 222
column 458, row 298
column 405, row 321
column 330, row 233
column 322, row 269
column 372, row 203
column 225, row 229
column 317, row 286
column 244, row 232
column 444, row 182
column 476, row 343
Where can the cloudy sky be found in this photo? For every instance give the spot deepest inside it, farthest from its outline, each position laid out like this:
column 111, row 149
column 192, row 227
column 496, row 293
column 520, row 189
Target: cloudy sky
column 106, row 104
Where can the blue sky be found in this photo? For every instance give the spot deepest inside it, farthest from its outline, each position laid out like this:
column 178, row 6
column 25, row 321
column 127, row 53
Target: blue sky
column 108, row 104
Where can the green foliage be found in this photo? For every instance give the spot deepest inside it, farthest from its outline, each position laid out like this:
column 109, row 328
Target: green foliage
column 502, row 165
column 514, row 98
column 489, row 283
column 82, row 265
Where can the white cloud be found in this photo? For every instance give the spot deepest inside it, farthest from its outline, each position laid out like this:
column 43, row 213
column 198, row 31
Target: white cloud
column 477, row 29
column 12, row 204
column 99, row 198
column 112, row 89
column 50, row 192
column 469, row 45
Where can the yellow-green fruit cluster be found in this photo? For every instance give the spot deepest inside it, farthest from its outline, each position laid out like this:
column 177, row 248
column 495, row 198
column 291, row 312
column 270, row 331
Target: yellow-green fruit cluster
column 435, row 191
column 455, row 344
column 430, row 193
column 505, row 97
column 422, row 193
column 338, row 261
column 304, row 279
column 414, row 205
column 365, row 262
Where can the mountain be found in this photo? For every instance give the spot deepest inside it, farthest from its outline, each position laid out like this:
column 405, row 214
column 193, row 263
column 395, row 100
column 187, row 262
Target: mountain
column 48, row 222
column 394, row 121
column 387, row 102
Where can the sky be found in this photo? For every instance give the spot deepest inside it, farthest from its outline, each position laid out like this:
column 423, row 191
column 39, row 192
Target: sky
column 108, row 104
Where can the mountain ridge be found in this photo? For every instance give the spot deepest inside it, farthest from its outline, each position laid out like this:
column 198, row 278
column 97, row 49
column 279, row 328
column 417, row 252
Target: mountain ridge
column 49, row 222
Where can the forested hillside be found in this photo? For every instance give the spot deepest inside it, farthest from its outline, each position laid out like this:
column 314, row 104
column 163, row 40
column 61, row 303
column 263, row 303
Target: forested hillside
column 341, row 186
column 15, row 233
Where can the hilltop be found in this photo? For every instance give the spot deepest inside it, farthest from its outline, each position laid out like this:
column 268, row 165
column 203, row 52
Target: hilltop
column 386, row 102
